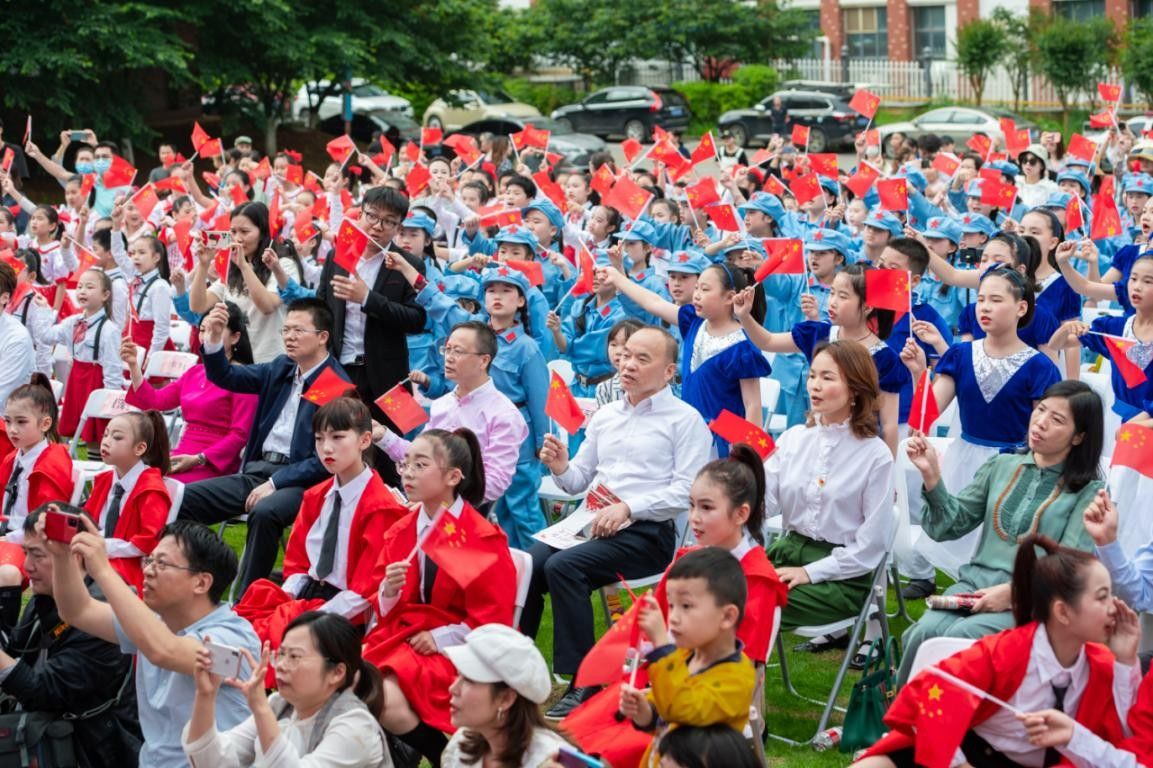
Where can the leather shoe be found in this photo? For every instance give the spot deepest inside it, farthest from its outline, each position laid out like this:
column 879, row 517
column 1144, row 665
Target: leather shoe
column 918, row 589
column 572, row 699
column 823, row 643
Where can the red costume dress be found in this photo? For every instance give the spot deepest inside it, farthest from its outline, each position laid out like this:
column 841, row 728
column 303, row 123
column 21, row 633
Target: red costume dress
column 143, row 515
column 50, row 480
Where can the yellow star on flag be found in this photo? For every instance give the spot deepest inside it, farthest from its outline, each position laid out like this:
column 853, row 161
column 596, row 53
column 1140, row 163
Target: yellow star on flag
column 935, row 693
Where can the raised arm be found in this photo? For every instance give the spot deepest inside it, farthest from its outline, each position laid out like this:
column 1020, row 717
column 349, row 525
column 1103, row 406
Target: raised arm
column 53, row 168
column 762, row 338
column 646, row 299
column 1090, row 289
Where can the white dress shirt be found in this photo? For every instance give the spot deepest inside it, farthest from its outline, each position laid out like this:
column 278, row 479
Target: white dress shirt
column 119, row 295
column 347, row 603
column 832, row 486
column 154, row 305
column 647, row 454
column 37, row 320
column 27, row 461
column 120, row 547
column 449, row 634
column 16, row 352
column 352, row 345
column 279, row 438
column 108, row 356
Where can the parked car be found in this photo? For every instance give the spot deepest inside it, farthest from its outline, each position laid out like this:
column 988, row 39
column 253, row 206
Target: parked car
column 395, row 126
column 460, row 108
column 960, row 123
column 831, row 123
column 366, row 97
column 576, row 147
column 629, row 110
column 1137, row 126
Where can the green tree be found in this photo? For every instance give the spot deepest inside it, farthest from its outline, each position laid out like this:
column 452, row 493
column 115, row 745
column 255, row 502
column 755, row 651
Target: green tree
column 1017, row 57
column 980, row 46
column 1074, row 56
column 595, row 38
column 1137, row 57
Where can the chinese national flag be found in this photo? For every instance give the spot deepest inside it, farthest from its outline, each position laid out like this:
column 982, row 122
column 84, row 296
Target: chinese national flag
column 924, row 411
column 800, row 136
column 294, row 174
column 603, row 180
column 1134, row 448
column 703, row 193
column 417, row 179
column 1101, row 119
column 893, row 194
column 665, row 152
column 303, row 229
column 262, row 170
column 939, row 713
column 171, row 184
column 628, row 197
column 605, row 663
column 18, row 265
column 212, row 148
column 1119, row 348
column 762, row 156
column 458, row 549
column 87, row 182
column 550, row 188
column 862, row 181
column 631, row 148
column 86, row 258
column 120, row 174
column 313, row 183
column 531, row 137
column 387, row 150
column 946, row 163
column 865, row 102
column 533, row 270
column 1017, row 141
column 1106, row 218
column 989, row 172
column 199, row 136
column 774, row 186
column 997, row 193
column 502, row 218
column 888, row 289
column 705, row 150
column 825, row 164
column 402, row 409
column 326, row 387
column 724, row 215
column 211, row 179
column 340, row 149
column 1081, row 148
column 562, row 407
column 1108, row 186
column 734, row 429
column 979, row 144
column 145, row 200
column 1109, row 92
column 786, row 257
column 1074, row 218
column 183, row 232
column 430, row 137
column 220, row 263
column 239, row 196
column 584, row 281
column 411, row 152
column 349, row 246
column 805, row 188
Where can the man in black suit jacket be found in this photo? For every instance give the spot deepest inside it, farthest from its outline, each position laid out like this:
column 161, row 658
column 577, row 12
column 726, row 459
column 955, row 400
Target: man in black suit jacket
column 280, row 460
column 374, row 309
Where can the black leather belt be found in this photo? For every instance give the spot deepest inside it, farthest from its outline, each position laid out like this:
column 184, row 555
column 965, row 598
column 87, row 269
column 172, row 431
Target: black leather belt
column 272, row 457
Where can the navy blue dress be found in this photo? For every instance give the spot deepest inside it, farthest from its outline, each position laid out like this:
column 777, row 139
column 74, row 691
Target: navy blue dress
column 1059, row 298
column 928, row 313
column 1039, row 330
column 1127, row 401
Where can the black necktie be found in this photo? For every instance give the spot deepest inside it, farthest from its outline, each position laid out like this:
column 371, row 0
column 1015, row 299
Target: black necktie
column 1052, row 756
column 113, row 515
column 328, row 546
column 430, row 571
column 12, row 490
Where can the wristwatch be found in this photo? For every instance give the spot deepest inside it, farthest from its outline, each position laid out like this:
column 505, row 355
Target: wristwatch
column 202, row 459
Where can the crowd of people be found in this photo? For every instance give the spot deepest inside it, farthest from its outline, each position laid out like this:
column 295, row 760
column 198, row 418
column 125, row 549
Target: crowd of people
column 662, row 299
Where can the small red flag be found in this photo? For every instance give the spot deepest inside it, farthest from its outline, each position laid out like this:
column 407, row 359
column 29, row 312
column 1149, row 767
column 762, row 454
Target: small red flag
column 120, row 174
column 800, row 136
column 87, row 182
column 86, row 258
column 7, row 160
column 703, row 193
column 221, row 262
column 1081, row 148
column 562, row 407
column 631, row 148
column 925, row 410
column 430, row 137
column 294, row 174
column 326, row 387
column 417, row 179
column 212, row 148
column 862, row 181
column 145, row 200
column 239, row 196
column 805, row 188
column 865, row 102
column 786, row 256
column 872, row 138
column 1109, row 92
column 531, row 136
column 603, row 180
column 402, row 409
column 888, row 289
column 1133, row 449
column 946, row 163
column 275, row 222
column 1016, row 139
column 199, row 136
column 584, row 281
column 628, row 197
column 605, row 662
column 938, row 713
column 1101, row 119
column 411, row 152
column 825, row 164
column 170, row 184
column 724, row 215
column 387, row 150
column 349, row 246
column 263, row 169
column 893, row 194
column 1108, row 186
column 1106, row 218
column 705, row 150
column 1074, row 218
column 533, row 270
column 183, row 232
column 313, row 182
column 500, row 217
column 774, row 186
column 18, row 265
column 997, row 193
column 457, row 547
column 303, row 229
column 340, row 149
column 734, row 429
column 1130, row 371
column 979, row 144
column 550, row 188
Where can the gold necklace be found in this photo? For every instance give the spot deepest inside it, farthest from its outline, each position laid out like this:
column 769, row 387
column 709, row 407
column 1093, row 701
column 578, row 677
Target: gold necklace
column 1000, row 531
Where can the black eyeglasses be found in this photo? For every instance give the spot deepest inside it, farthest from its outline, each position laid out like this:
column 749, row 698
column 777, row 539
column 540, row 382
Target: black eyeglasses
column 163, row 565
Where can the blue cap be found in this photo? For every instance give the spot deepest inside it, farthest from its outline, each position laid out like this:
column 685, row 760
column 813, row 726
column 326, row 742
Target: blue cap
column 601, row 259
column 944, row 228
column 517, row 233
column 459, row 286
column 1077, row 162
column 886, row 220
column 1004, row 166
column 1139, row 183
column 688, row 262
column 639, row 230
column 765, row 202
column 828, row 240
column 973, row 188
column 502, row 273
column 419, row 220
column 1070, row 174
column 915, row 177
column 1058, row 200
column 977, row 222
column 747, row 244
column 549, row 209
column 829, row 185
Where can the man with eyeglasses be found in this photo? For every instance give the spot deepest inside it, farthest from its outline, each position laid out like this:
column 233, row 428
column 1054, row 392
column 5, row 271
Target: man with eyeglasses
column 184, row 581
column 374, row 309
column 476, row 404
column 280, row 460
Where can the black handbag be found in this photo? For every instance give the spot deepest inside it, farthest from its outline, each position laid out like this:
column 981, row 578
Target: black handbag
column 36, row 740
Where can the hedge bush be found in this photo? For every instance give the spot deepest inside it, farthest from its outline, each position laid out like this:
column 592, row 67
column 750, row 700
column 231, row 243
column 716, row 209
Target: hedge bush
column 544, row 96
column 751, row 83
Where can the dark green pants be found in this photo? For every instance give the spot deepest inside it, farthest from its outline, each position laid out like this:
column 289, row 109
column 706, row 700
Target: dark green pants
column 816, row 604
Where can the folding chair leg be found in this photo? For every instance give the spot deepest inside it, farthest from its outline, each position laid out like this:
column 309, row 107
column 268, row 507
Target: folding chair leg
column 902, row 606
column 877, row 599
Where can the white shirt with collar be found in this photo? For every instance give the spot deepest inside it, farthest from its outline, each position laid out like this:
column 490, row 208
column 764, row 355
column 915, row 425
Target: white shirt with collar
column 279, row 438
column 346, row 603
column 155, row 305
column 647, row 454
column 449, row 634
column 27, row 461
column 119, row 295
column 107, row 356
column 120, row 547
column 352, row 345
column 16, row 352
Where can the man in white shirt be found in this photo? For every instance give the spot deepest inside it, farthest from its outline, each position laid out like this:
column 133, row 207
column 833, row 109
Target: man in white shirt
column 15, row 343
column 646, row 449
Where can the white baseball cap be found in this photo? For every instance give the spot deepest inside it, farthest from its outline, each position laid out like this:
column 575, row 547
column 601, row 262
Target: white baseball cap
column 495, row 653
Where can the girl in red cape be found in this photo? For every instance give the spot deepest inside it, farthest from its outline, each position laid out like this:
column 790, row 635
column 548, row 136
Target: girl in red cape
column 344, row 579
column 422, row 610
column 726, row 510
column 130, row 502
column 45, row 474
column 1074, row 649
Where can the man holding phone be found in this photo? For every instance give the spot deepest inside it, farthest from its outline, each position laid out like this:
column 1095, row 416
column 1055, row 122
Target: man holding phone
column 184, row 580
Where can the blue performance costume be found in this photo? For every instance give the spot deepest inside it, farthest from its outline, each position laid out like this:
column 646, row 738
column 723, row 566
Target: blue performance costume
column 586, row 328
column 1128, row 401
column 1036, row 334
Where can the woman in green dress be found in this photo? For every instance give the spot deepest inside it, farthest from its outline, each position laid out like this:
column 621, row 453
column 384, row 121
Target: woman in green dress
column 1044, row 489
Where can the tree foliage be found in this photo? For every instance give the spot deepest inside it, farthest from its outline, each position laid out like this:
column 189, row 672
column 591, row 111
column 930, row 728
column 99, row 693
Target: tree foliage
column 980, row 46
column 1018, row 55
column 1074, row 55
column 1137, row 58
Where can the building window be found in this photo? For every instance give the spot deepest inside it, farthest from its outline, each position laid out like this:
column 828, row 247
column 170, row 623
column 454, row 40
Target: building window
column 1141, row 9
column 929, row 31
column 1080, row 10
column 866, row 32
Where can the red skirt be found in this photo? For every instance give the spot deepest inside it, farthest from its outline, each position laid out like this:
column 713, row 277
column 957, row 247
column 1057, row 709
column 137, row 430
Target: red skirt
column 594, row 727
column 83, row 380
column 13, row 554
column 269, row 609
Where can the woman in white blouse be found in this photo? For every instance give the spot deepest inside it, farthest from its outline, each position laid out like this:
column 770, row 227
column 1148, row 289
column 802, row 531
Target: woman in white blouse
column 832, row 481
column 324, row 714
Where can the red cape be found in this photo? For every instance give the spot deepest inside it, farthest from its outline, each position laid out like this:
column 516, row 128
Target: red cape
column 51, row 476
column 143, row 514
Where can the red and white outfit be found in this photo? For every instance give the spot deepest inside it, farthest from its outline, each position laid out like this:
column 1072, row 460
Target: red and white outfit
column 57, row 261
column 46, row 475
column 367, row 510
column 450, row 615
column 144, row 509
column 149, row 322
column 95, row 344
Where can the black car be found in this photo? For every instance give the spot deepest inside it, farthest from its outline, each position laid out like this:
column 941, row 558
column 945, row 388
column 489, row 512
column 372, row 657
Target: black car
column 395, row 126
column 831, row 123
column 576, row 147
column 629, row 110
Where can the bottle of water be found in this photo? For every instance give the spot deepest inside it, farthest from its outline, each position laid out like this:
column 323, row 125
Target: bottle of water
column 826, row 740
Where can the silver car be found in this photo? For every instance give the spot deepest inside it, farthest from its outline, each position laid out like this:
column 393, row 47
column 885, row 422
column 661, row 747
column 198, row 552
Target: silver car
column 959, row 122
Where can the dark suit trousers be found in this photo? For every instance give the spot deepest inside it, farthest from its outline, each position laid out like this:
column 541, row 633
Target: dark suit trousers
column 384, row 466
column 222, row 498
column 570, row 576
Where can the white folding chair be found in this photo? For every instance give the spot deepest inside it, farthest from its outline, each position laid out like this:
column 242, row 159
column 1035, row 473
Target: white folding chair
column 181, row 333
column 523, row 562
column 168, row 364
column 937, row 649
column 176, row 494
column 774, row 423
column 101, row 404
column 555, row 503
column 57, row 389
column 78, row 485
column 756, row 727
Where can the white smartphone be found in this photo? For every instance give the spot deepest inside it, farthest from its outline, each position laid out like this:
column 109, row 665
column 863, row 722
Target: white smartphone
column 225, row 659
column 218, row 239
